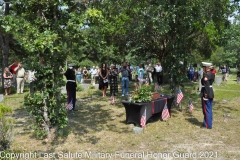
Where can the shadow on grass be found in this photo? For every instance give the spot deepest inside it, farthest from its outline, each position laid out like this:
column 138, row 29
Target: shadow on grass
column 90, row 118
column 194, row 121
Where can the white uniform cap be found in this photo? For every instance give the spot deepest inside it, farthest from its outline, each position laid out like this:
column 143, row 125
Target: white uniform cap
column 206, row 64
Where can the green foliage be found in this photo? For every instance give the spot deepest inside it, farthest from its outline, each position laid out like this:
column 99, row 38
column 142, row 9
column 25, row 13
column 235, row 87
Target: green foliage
column 142, row 93
column 55, row 110
column 39, row 133
column 91, row 87
column 6, row 126
column 4, row 110
column 229, row 54
column 225, row 57
column 86, row 63
column 79, row 88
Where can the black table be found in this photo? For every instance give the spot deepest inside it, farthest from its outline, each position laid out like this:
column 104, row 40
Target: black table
column 169, row 101
column 134, row 111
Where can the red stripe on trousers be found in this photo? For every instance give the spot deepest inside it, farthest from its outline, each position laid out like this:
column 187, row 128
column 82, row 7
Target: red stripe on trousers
column 205, row 113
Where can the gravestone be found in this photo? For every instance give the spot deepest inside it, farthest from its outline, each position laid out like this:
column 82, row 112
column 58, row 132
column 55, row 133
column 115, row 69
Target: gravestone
column 218, row 80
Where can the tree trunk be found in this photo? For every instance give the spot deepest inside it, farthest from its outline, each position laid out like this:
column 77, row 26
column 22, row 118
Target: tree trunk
column 46, row 123
column 4, row 45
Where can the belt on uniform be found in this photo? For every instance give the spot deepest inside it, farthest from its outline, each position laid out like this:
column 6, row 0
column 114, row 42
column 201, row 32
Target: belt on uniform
column 205, row 99
column 70, row 80
column 208, row 86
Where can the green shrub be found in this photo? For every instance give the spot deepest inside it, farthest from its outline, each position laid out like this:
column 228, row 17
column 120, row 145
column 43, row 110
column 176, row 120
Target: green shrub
column 6, row 126
column 91, row 87
column 79, row 88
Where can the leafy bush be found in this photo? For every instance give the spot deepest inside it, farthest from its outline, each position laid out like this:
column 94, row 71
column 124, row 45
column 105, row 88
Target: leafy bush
column 91, row 87
column 79, row 88
column 6, row 126
column 56, row 113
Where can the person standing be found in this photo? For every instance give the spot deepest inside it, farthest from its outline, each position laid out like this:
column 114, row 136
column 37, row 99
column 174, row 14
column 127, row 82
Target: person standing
column 79, row 75
column 150, row 70
column 113, row 80
column 103, row 79
column 158, row 73
column 71, row 85
column 7, row 75
column 224, row 73
column 31, row 78
column 14, row 72
column 191, row 73
column 21, row 76
column 93, row 72
column 207, row 95
column 97, row 75
column 85, row 73
column 125, row 78
column 140, row 72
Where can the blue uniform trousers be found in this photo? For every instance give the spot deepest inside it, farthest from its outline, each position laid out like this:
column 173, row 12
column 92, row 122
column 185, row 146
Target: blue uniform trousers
column 207, row 112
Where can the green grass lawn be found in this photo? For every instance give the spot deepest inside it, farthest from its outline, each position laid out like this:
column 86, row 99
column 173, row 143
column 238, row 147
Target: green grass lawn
column 99, row 129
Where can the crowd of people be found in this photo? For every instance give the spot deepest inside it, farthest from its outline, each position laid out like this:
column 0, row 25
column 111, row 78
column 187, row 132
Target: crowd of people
column 15, row 76
column 195, row 74
column 123, row 74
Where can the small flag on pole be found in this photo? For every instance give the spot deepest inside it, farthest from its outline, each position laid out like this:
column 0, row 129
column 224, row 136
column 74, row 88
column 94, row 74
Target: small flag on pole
column 191, row 107
column 112, row 99
column 69, row 106
column 143, row 119
column 179, row 96
column 165, row 112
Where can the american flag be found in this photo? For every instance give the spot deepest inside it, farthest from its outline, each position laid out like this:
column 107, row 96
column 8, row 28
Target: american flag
column 191, row 107
column 179, row 96
column 112, row 100
column 143, row 119
column 165, row 112
column 69, row 106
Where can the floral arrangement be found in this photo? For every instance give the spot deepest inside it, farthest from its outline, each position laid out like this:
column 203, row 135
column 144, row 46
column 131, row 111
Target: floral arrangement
column 142, row 92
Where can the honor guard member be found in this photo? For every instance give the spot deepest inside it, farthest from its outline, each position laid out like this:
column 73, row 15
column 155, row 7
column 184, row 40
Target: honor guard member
column 207, row 95
column 71, row 85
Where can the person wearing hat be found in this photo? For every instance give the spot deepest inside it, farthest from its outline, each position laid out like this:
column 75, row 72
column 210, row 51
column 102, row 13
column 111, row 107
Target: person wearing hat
column 71, row 85
column 207, row 95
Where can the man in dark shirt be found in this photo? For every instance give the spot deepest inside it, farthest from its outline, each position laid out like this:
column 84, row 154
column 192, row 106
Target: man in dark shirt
column 71, row 86
column 224, row 73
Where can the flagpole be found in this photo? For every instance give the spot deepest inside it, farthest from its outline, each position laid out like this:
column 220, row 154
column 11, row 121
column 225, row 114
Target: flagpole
column 145, row 119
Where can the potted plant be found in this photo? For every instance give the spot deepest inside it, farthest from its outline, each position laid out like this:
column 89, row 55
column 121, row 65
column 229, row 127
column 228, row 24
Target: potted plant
column 143, row 92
